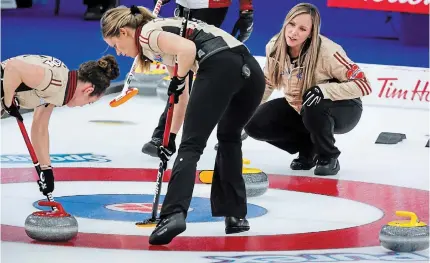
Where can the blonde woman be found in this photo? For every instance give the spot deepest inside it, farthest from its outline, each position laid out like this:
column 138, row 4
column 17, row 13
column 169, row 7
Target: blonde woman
column 42, row 83
column 211, row 12
column 322, row 89
column 228, row 88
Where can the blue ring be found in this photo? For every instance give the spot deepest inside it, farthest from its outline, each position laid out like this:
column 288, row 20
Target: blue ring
column 94, row 207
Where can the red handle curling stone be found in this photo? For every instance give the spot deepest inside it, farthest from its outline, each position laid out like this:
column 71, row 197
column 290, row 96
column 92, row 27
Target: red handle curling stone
column 60, row 212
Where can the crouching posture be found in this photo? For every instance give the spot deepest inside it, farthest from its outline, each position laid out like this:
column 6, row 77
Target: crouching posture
column 42, row 83
column 322, row 89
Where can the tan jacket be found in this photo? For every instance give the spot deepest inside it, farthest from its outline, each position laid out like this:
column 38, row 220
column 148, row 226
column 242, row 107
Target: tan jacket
column 336, row 75
column 208, row 39
column 54, row 87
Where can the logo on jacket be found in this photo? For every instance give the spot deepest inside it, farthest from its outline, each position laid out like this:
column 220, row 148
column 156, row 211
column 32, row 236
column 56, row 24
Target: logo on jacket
column 158, row 58
column 354, row 72
column 300, row 74
column 177, row 12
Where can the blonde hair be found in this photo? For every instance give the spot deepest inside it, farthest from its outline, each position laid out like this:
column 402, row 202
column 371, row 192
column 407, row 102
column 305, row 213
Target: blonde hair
column 308, row 56
column 132, row 17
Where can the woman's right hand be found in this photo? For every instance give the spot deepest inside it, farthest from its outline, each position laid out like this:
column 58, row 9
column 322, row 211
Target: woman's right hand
column 46, row 181
column 13, row 109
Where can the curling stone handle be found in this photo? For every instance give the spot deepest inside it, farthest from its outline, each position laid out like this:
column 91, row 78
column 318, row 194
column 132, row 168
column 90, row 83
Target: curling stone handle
column 408, row 214
column 246, row 161
column 57, row 206
column 51, row 199
column 412, row 221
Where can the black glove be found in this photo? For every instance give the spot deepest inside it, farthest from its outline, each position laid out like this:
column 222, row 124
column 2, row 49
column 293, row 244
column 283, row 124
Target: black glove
column 312, row 96
column 46, row 181
column 245, row 25
column 176, row 87
column 172, row 144
column 166, row 153
column 13, row 109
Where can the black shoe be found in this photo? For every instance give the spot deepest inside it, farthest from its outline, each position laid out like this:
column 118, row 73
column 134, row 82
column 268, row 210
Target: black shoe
column 168, row 228
column 303, row 163
column 150, row 148
column 236, row 225
column 327, row 167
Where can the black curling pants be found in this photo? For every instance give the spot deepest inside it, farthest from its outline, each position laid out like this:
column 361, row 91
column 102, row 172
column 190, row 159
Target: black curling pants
column 277, row 123
column 212, row 16
column 220, row 96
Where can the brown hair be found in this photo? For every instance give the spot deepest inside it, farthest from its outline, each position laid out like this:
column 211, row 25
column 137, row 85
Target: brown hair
column 99, row 73
column 309, row 53
column 122, row 16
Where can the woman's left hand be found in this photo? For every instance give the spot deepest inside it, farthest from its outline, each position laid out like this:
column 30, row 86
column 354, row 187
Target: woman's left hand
column 176, row 87
column 312, row 96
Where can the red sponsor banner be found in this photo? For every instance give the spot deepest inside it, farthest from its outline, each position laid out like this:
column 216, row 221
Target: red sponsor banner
column 420, row 91
column 405, row 6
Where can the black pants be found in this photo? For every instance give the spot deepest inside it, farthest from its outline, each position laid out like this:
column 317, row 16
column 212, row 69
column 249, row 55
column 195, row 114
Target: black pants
column 212, row 16
column 277, row 123
column 221, row 96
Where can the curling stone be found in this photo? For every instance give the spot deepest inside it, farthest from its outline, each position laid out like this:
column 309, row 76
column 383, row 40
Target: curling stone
column 256, row 181
column 51, row 226
column 162, row 87
column 147, row 82
column 405, row 235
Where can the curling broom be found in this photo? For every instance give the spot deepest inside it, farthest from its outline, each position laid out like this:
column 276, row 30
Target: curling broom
column 127, row 92
column 153, row 221
column 33, row 156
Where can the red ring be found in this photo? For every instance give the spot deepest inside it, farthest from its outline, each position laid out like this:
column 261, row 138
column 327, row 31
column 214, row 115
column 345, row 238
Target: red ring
column 385, row 197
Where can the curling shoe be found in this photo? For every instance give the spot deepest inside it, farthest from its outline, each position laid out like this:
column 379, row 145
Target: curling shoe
column 327, row 167
column 150, row 148
column 168, row 228
column 304, row 162
column 235, row 225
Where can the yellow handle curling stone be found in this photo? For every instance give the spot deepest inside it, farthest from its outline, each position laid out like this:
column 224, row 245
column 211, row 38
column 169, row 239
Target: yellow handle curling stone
column 405, row 235
column 256, row 181
column 146, row 82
